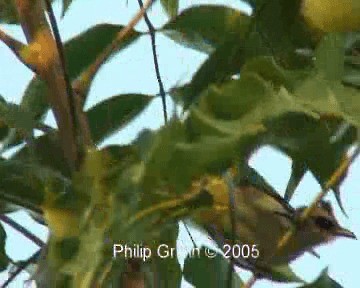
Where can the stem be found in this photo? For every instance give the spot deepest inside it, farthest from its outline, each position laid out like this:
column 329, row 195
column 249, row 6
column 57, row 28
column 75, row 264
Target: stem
column 189, row 233
column 81, row 85
column 250, row 283
column 163, row 206
column 15, row 46
column 156, row 63
column 36, row 28
column 80, row 121
column 60, row 50
column 22, row 230
column 18, row 201
column 22, row 266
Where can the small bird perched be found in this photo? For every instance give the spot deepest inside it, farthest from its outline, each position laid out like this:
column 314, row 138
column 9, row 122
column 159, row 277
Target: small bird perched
column 262, row 217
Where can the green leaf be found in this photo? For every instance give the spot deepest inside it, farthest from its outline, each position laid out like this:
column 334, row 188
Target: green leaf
column 43, row 150
column 251, row 99
column 123, row 154
column 105, row 118
column 66, row 5
column 93, row 207
column 159, row 153
column 16, row 124
column 298, row 170
column 331, row 98
column 207, row 155
column 80, row 52
column 4, row 259
column 351, row 77
column 201, row 124
column 8, row 13
column 324, row 281
column 15, row 116
column 209, row 272
column 23, row 183
column 190, row 158
column 309, row 142
column 279, row 23
column 318, row 93
column 205, row 27
column 329, row 56
column 120, row 157
column 236, row 98
column 143, row 141
column 110, row 115
column 4, row 128
column 35, row 98
column 284, row 274
column 270, row 70
column 226, row 61
column 349, row 101
column 171, row 7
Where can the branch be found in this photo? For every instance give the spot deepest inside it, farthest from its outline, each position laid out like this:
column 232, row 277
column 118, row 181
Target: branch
column 156, row 63
column 328, row 185
column 60, row 50
column 82, row 84
column 80, row 121
column 44, row 55
column 21, row 267
column 15, row 200
column 250, row 283
column 22, row 230
column 16, row 47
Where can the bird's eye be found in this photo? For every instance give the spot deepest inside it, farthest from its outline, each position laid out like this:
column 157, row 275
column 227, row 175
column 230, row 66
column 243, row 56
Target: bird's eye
column 324, row 223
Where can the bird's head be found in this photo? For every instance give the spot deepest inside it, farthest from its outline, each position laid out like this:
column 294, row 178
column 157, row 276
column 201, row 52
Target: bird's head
column 322, row 224
column 320, row 227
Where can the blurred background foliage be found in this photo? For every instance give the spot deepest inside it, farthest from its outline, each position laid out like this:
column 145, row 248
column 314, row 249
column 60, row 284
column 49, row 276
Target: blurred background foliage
column 298, row 91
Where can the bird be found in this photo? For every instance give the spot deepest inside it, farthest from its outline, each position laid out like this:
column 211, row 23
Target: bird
column 262, row 217
column 332, row 15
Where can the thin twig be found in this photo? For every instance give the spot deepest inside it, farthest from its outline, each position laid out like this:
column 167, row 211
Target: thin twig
column 61, row 53
column 81, row 85
column 16, row 47
column 189, row 233
column 339, row 172
column 21, row 267
column 22, row 230
column 163, row 206
column 156, row 62
column 250, row 283
column 18, row 201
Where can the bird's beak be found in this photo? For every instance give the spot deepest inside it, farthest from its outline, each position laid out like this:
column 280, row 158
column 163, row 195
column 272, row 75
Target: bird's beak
column 345, row 233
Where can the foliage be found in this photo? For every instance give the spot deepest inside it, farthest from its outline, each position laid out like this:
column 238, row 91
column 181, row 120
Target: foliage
column 298, row 91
